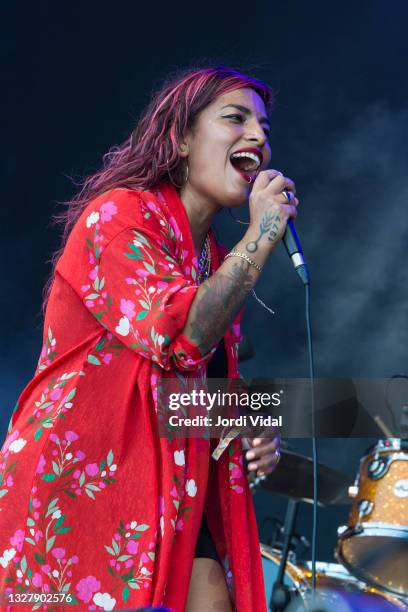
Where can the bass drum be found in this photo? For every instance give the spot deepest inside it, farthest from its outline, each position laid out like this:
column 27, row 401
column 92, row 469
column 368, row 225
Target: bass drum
column 336, row 590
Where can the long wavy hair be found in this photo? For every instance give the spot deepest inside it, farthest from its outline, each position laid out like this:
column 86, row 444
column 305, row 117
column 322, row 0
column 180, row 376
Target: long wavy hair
column 151, row 154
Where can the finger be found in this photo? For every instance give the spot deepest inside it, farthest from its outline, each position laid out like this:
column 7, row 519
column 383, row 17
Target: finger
column 280, row 182
column 264, row 463
column 270, row 447
column 264, row 178
column 289, row 211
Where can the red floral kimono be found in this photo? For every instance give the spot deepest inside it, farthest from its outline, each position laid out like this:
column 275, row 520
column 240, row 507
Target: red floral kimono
column 97, row 511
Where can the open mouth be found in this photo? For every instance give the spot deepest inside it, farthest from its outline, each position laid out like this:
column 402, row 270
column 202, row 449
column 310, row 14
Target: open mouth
column 247, row 163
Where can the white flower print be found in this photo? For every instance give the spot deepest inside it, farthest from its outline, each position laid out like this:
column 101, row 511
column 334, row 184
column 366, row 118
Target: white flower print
column 191, row 488
column 179, row 458
column 124, row 327
column 92, row 219
column 17, row 445
column 8, row 554
column 104, row 600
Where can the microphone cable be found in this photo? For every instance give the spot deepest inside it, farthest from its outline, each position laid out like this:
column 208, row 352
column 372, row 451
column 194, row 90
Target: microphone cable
column 294, row 249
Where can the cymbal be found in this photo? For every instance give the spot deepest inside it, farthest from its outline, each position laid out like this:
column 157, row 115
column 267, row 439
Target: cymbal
column 293, row 477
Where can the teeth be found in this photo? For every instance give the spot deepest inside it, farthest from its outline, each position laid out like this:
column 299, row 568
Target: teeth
column 248, row 155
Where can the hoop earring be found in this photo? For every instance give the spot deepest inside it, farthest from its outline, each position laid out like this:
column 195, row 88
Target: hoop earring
column 237, row 220
column 171, row 178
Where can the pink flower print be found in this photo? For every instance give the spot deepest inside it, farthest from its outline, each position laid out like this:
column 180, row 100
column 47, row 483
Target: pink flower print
column 151, row 206
column 117, row 537
column 91, row 469
column 74, row 559
column 71, row 436
column 37, row 580
column 161, row 505
column 41, row 464
column 38, row 534
column 54, row 438
column 238, row 489
column 162, row 284
column 144, row 558
column 80, row 455
column 127, row 307
column 89, row 303
column 46, row 568
column 87, row 587
column 93, row 274
column 9, row 481
column 56, row 393
column 179, row 525
column 17, row 539
column 59, row 553
column 107, row 358
column 36, row 515
column 85, row 288
column 76, row 474
column 132, row 547
column 236, row 472
column 142, row 272
column 174, row 492
column 91, row 258
column 129, row 563
column 107, row 211
column 36, row 503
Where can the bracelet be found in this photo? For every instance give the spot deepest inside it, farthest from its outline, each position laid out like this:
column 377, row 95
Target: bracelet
column 244, row 256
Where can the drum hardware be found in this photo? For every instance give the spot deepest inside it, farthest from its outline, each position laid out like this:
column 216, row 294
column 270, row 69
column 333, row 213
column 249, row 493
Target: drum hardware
column 299, row 545
column 281, row 594
column 365, row 507
column 294, row 478
column 352, row 491
column 337, row 590
column 374, row 544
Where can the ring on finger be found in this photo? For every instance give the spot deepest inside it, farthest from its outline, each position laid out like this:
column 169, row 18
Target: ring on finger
column 277, row 455
column 287, row 195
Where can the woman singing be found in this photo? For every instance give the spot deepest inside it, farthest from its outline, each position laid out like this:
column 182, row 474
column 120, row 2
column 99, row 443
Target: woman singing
column 97, row 510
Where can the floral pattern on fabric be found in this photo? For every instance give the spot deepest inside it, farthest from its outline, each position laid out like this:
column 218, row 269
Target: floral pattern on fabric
column 93, row 501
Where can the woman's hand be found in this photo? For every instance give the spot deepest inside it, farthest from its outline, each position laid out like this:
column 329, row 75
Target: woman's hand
column 264, row 455
column 270, row 209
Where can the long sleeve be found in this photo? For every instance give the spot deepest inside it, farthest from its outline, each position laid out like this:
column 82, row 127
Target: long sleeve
column 136, row 286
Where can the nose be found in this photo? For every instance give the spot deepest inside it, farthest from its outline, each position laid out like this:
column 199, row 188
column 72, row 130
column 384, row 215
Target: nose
column 256, row 133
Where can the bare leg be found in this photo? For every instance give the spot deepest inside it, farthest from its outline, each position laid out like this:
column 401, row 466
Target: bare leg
column 208, row 590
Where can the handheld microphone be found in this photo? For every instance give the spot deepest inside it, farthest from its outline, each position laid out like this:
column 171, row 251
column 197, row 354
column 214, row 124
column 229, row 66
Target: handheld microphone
column 292, row 245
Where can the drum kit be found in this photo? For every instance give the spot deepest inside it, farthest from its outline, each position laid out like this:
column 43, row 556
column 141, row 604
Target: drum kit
column 372, row 549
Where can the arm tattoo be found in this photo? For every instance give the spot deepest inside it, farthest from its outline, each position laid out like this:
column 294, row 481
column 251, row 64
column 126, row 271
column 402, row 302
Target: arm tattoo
column 217, row 308
column 269, row 224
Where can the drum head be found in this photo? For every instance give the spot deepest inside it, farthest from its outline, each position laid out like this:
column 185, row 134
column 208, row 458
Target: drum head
column 379, row 560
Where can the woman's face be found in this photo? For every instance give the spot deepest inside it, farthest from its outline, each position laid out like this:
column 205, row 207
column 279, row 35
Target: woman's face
column 235, row 122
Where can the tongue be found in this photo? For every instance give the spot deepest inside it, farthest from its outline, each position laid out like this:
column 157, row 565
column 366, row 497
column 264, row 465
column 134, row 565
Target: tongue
column 242, row 164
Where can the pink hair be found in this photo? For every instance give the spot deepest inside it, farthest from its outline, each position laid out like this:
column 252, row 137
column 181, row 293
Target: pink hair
column 150, row 154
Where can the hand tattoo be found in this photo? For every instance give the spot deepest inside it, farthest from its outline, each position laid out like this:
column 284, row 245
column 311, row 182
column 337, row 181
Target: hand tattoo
column 269, row 224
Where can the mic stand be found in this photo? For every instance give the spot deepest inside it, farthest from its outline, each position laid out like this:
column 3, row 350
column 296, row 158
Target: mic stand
column 281, row 593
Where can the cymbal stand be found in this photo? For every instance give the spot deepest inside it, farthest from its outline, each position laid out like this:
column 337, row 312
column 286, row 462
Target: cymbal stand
column 281, row 593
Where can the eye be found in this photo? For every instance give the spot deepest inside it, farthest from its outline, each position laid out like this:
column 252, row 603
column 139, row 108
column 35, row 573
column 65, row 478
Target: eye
column 240, row 118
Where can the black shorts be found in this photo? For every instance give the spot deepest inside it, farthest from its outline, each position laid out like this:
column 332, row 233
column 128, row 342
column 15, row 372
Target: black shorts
column 205, row 546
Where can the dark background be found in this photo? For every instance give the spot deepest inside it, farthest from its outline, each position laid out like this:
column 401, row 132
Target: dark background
column 76, row 77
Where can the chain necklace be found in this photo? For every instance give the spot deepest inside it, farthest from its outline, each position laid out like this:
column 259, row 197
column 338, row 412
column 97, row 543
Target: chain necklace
column 204, row 262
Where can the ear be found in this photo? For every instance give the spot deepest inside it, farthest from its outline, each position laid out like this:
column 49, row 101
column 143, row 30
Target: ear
column 184, row 146
column 184, row 149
